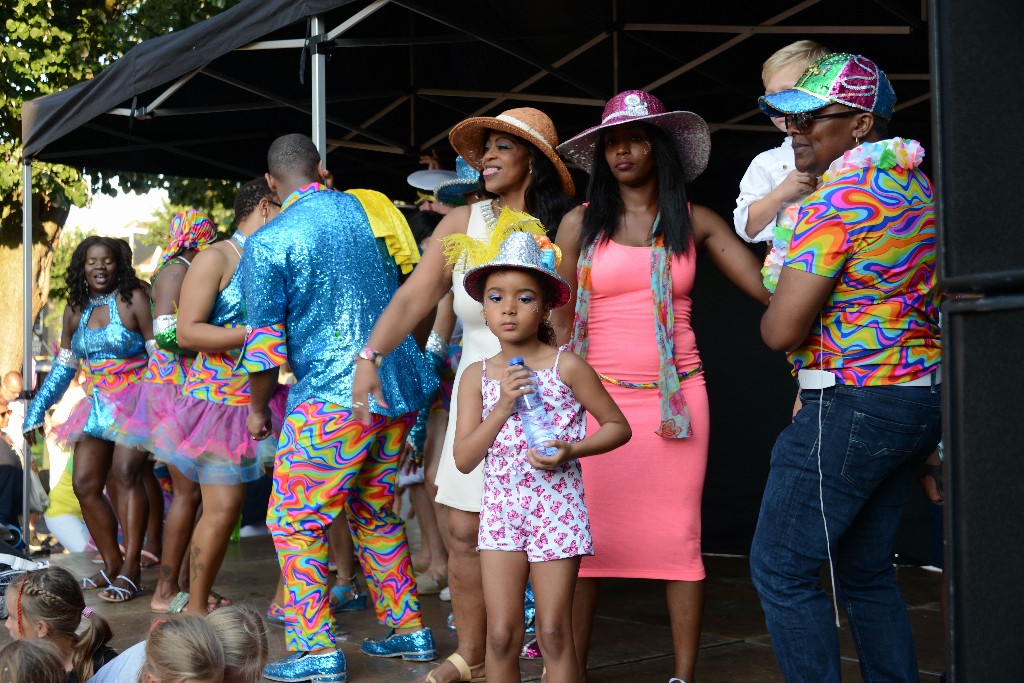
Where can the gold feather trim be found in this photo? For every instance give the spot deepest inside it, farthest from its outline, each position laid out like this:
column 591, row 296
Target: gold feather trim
column 465, row 252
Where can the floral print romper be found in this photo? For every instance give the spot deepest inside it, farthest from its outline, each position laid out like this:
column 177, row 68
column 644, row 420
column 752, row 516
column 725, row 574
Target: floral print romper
column 539, row 512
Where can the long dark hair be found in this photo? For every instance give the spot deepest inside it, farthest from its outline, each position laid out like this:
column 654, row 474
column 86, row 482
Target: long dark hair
column 605, row 207
column 127, row 281
column 544, row 198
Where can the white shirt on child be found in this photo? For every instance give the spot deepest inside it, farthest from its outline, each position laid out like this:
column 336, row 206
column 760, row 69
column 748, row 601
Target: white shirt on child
column 123, row 668
column 765, row 173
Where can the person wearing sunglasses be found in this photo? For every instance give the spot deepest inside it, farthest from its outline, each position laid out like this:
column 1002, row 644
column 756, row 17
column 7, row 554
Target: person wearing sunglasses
column 856, row 309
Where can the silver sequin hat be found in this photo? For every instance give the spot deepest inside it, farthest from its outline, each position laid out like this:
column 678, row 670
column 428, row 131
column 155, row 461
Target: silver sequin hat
column 690, row 132
column 521, row 251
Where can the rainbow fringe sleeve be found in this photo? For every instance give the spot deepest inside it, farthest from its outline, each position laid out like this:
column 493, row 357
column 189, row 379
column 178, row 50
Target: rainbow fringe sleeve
column 265, row 348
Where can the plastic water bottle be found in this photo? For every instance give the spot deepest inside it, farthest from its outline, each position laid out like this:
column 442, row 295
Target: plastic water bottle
column 535, row 419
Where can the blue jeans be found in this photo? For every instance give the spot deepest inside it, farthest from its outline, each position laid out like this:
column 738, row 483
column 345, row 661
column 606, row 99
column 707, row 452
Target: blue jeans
column 872, row 440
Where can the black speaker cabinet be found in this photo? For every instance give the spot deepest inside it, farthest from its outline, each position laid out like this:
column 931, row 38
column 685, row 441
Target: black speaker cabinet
column 978, row 109
column 983, row 433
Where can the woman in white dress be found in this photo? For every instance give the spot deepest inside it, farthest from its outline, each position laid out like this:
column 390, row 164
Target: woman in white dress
column 515, row 152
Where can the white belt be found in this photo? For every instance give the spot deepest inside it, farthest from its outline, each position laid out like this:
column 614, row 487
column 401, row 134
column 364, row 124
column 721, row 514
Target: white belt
column 822, row 379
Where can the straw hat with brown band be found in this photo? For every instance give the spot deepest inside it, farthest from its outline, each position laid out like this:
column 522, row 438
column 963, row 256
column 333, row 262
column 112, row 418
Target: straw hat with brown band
column 533, row 125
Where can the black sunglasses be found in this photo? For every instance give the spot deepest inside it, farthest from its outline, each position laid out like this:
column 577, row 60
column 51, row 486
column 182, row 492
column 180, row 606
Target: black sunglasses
column 804, row 121
column 271, row 201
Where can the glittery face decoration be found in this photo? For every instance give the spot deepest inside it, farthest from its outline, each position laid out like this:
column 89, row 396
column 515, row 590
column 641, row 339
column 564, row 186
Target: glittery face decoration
column 513, row 301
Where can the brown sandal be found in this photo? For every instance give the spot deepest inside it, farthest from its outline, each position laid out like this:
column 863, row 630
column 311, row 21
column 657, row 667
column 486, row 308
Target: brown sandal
column 464, row 669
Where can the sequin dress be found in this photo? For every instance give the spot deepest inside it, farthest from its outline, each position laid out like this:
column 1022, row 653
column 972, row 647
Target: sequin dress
column 455, row 489
column 114, row 358
column 205, row 436
column 135, row 423
column 539, row 512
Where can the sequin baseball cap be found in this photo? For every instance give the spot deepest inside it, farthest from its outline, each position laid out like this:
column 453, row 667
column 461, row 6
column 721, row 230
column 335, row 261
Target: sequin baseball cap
column 853, row 80
column 467, row 179
column 522, row 251
column 532, row 125
column 689, row 131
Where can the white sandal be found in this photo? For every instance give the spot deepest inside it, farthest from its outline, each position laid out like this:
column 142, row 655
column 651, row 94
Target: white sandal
column 114, row 593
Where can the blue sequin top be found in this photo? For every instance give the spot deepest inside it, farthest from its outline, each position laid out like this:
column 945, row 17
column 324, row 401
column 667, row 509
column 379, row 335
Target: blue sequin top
column 113, row 340
column 229, row 309
column 115, row 358
column 317, row 268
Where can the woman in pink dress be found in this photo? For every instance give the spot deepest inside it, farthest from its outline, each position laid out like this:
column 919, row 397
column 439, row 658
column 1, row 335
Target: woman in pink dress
column 631, row 251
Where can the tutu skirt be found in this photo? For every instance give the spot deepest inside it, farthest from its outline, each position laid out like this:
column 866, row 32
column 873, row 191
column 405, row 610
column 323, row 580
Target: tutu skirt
column 209, row 443
column 94, row 414
column 135, row 423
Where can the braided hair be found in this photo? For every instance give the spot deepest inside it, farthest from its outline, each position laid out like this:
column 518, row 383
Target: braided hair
column 127, row 281
column 52, row 596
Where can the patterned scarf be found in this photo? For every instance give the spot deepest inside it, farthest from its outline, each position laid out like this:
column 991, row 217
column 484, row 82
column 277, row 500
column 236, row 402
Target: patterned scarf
column 675, row 415
column 190, row 229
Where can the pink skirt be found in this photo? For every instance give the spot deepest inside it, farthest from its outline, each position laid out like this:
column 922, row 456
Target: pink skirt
column 209, row 442
column 94, row 414
column 649, row 528
column 135, row 424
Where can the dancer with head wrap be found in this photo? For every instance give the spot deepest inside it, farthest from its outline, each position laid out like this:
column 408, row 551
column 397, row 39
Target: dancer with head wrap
column 107, row 323
column 204, row 441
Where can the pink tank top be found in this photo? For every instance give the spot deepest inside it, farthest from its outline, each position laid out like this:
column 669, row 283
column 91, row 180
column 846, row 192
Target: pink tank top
column 621, row 330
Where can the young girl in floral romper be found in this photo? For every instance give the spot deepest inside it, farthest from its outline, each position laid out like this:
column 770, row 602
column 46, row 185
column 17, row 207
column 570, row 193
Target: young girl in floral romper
column 533, row 519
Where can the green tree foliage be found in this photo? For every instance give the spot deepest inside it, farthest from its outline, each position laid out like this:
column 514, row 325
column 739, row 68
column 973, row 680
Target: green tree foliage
column 47, row 46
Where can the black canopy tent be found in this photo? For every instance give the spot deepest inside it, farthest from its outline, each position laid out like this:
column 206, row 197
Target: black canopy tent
column 377, row 82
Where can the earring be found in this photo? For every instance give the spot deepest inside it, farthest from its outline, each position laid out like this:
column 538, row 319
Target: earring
column 856, row 141
column 264, row 216
column 531, row 169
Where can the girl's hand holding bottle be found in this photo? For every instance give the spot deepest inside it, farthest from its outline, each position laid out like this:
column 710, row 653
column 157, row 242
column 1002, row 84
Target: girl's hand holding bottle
column 516, row 381
column 564, row 453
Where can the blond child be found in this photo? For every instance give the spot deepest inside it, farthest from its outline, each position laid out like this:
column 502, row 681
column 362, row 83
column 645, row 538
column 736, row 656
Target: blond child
column 772, row 183
column 31, row 661
column 47, row 604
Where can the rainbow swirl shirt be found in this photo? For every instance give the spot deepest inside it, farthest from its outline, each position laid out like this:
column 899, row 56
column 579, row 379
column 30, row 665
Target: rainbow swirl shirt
column 871, row 228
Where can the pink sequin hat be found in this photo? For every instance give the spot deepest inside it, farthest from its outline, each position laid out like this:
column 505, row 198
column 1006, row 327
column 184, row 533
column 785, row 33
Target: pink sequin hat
column 690, row 132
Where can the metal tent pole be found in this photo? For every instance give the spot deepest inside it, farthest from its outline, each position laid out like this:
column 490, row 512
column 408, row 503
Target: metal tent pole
column 26, row 362
column 319, row 100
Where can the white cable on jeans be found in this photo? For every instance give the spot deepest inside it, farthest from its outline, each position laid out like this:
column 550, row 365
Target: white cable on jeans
column 821, row 477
